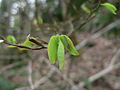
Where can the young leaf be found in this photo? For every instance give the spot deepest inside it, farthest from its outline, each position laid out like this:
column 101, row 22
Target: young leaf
column 60, row 54
column 28, row 43
column 52, row 48
column 68, row 44
column 110, row 7
column 11, row 39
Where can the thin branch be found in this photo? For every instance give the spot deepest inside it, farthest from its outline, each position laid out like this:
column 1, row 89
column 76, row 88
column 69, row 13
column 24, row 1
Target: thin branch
column 37, row 42
column 2, row 70
column 69, row 81
column 105, row 71
column 26, row 47
column 98, row 34
column 22, row 46
column 44, row 79
column 89, row 17
column 30, row 75
column 113, row 61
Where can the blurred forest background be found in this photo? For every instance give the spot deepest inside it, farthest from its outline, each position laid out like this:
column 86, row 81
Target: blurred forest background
column 94, row 30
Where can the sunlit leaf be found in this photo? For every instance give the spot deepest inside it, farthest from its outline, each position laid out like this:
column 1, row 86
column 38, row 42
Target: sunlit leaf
column 60, row 54
column 11, row 39
column 52, row 48
column 110, row 7
column 68, row 44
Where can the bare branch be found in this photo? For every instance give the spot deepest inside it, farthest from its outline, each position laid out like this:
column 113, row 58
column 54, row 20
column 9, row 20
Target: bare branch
column 113, row 61
column 69, row 81
column 9, row 67
column 105, row 71
column 98, row 34
column 30, row 75
column 44, row 79
column 26, row 47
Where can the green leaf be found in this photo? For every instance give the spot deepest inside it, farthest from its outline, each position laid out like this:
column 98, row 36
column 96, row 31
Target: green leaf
column 60, row 54
column 28, row 43
column 110, row 7
column 68, row 44
column 11, row 39
column 52, row 48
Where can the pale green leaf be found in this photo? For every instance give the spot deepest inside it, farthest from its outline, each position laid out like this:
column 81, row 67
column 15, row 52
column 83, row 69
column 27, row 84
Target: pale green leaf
column 52, row 48
column 110, row 7
column 60, row 54
column 68, row 44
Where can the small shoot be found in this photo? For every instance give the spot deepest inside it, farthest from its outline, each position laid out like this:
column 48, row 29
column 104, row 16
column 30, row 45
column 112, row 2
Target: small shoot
column 56, row 47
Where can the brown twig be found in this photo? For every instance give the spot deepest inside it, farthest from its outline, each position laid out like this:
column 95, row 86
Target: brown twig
column 22, row 46
column 3, row 69
column 37, row 42
column 26, row 47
